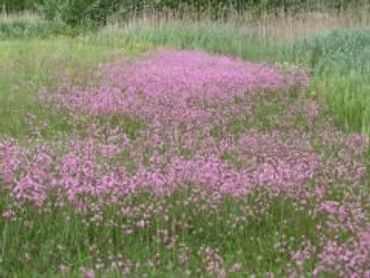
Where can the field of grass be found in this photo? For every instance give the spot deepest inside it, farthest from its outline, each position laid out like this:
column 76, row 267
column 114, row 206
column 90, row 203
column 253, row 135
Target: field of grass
column 142, row 150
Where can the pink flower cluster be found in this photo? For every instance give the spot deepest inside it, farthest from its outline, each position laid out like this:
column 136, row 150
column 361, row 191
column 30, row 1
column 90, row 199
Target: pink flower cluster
column 349, row 259
column 178, row 86
column 86, row 169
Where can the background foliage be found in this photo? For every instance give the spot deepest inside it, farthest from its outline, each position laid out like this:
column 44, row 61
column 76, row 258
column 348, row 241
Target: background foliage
column 79, row 12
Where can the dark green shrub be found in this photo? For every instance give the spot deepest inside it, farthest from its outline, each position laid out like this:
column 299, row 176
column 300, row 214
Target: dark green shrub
column 77, row 12
column 11, row 6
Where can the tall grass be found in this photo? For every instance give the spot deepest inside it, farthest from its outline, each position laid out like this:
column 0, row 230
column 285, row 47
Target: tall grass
column 340, row 62
column 27, row 25
column 27, row 16
column 213, row 37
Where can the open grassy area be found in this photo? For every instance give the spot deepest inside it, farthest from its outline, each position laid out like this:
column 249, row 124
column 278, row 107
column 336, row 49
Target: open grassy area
column 272, row 180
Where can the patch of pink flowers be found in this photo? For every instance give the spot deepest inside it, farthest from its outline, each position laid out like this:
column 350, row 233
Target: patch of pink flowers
column 87, row 168
column 349, row 259
column 178, row 86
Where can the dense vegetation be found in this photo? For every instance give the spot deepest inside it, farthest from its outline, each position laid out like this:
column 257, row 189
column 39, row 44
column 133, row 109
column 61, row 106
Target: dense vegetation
column 77, row 12
column 10, row 6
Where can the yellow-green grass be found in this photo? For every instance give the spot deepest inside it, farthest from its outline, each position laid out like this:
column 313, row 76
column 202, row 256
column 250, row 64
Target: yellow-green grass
column 29, row 67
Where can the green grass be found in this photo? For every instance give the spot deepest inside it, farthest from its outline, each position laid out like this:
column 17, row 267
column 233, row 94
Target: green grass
column 340, row 64
column 26, row 30
column 342, row 50
column 37, row 244
column 32, row 65
column 213, row 37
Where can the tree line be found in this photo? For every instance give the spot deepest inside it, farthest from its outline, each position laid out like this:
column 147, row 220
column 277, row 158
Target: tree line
column 74, row 12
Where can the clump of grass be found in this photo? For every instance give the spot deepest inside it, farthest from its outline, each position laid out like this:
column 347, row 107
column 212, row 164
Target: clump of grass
column 26, row 30
column 340, row 64
column 342, row 50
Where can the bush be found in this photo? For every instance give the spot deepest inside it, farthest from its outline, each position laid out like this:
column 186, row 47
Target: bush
column 78, row 12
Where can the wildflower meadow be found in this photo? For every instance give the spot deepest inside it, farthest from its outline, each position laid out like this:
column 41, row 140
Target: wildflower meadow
column 155, row 150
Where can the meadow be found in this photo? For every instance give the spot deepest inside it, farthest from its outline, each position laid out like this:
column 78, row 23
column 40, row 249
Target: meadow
column 167, row 147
